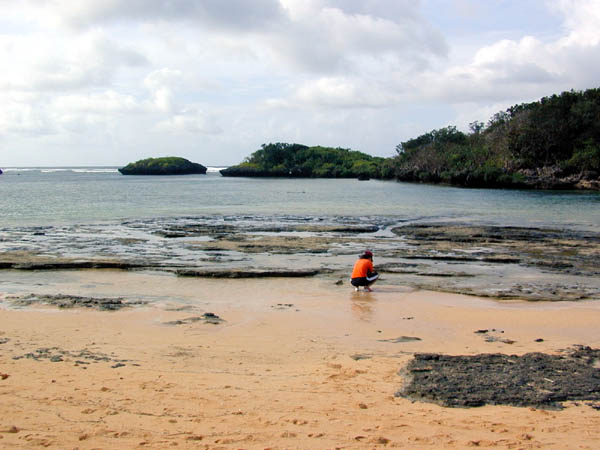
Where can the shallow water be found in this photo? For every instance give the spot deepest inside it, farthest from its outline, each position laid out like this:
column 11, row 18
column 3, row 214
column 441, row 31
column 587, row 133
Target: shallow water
column 59, row 196
column 209, row 222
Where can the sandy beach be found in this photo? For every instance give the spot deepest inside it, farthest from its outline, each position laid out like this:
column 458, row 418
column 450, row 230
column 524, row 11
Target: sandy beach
column 296, row 363
column 187, row 188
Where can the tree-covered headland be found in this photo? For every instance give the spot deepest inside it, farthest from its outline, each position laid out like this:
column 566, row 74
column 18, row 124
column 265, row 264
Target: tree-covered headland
column 297, row 160
column 553, row 143
column 168, row 165
column 550, row 143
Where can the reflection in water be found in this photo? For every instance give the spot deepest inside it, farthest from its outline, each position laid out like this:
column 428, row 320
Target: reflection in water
column 362, row 305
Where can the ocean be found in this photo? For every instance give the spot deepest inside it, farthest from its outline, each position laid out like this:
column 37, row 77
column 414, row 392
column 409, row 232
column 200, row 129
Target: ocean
column 33, row 197
column 501, row 243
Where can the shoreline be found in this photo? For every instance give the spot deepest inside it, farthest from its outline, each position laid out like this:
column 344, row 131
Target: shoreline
column 299, row 363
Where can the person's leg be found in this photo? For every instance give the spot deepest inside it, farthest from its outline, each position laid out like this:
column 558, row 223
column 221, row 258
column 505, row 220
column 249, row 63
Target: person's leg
column 358, row 282
column 371, row 279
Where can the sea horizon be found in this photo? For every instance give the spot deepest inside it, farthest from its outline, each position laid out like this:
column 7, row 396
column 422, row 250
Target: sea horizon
column 113, row 168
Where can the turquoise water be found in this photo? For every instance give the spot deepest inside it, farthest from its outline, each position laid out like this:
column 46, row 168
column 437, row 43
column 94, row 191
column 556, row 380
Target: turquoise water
column 38, row 197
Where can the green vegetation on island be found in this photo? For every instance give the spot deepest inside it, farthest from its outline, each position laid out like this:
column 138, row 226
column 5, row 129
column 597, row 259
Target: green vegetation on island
column 553, row 143
column 169, row 165
column 297, row 160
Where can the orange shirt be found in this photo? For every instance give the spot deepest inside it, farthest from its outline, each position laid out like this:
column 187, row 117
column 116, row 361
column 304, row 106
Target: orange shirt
column 362, row 267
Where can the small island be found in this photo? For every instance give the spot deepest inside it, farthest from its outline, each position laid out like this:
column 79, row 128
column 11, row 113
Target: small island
column 300, row 161
column 169, row 165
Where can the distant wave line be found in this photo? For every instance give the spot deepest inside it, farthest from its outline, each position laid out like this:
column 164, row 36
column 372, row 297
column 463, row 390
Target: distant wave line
column 211, row 169
column 60, row 169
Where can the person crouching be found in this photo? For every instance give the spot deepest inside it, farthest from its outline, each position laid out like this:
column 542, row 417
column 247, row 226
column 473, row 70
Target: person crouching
column 363, row 273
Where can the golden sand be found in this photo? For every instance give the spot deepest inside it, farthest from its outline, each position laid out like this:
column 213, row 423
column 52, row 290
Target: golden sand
column 278, row 373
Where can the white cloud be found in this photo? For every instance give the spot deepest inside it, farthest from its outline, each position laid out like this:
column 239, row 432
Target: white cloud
column 38, row 62
column 231, row 14
column 108, row 75
column 528, row 68
column 323, row 38
column 196, row 123
column 316, row 35
column 582, row 19
column 161, row 84
column 339, row 92
column 107, row 102
column 24, row 119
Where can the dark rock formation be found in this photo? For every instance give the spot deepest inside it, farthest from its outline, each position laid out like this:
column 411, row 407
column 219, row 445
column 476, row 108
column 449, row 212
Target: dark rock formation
column 68, row 265
column 209, row 318
column 401, row 339
column 83, row 357
column 548, row 249
column 534, row 379
column 74, row 301
column 266, row 273
column 553, row 177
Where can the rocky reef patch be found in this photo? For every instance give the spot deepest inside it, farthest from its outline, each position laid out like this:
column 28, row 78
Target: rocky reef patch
column 207, row 318
column 74, row 301
column 535, row 379
column 503, row 262
column 82, row 358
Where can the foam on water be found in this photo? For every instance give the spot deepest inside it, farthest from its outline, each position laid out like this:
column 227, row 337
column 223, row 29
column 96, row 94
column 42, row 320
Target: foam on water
column 83, row 169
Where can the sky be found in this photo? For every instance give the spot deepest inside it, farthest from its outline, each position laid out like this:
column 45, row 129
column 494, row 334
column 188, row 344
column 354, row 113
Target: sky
column 108, row 82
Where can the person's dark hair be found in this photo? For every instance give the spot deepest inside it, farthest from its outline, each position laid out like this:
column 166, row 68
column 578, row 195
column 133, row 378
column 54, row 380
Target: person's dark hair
column 367, row 255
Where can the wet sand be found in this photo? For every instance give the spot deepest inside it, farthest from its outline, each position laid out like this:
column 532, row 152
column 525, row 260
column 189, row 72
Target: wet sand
column 297, row 363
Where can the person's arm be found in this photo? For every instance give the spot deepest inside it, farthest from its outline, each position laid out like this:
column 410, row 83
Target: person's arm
column 370, row 269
